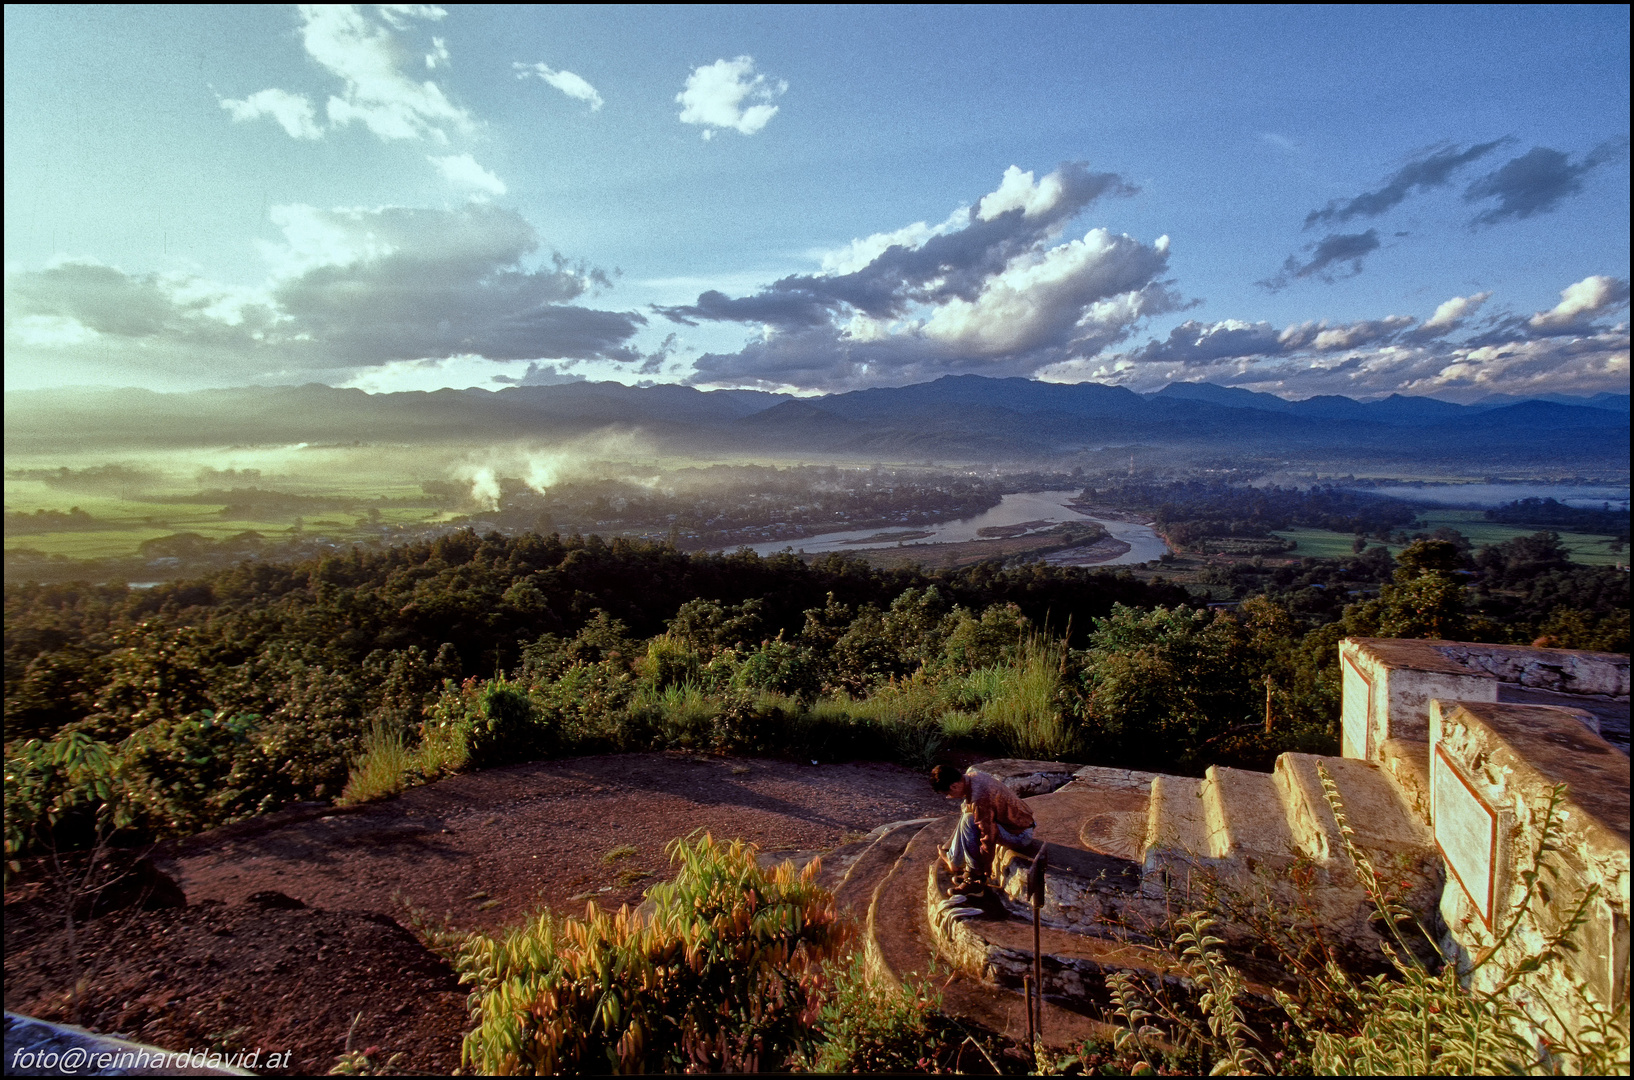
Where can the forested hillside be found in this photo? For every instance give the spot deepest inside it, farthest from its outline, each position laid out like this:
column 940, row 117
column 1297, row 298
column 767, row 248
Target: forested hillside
column 202, row 701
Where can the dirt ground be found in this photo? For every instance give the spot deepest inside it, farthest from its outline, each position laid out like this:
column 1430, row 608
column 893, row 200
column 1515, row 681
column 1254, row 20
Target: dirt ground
column 294, row 925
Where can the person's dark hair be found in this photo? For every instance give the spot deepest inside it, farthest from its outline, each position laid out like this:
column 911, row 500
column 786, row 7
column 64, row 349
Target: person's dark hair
column 944, row 777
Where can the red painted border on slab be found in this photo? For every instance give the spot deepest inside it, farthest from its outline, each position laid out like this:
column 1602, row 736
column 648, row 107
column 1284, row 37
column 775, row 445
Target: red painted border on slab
column 1492, row 856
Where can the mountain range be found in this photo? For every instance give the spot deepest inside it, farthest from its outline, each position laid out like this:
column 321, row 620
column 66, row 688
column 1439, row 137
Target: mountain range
column 958, row 418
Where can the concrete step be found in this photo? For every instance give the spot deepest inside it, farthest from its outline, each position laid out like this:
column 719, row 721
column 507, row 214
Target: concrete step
column 1381, row 819
column 996, row 947
column 1116, row 823
column 1177, row 829
column 1246, row 818
column 900, row 944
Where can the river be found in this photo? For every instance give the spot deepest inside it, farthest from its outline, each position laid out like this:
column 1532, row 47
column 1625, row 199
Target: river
column 1040, row 509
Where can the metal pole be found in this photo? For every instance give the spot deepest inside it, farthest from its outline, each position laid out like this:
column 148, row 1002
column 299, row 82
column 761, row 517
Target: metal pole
column 1027, row 989
column 1035, row 890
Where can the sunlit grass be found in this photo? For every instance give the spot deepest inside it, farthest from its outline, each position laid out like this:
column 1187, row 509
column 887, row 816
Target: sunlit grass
column 388, row 765
column 1324, row 544
column 1587, row 548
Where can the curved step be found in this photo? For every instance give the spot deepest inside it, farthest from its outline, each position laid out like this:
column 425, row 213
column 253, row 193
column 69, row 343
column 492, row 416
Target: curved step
column 997, row 948
column 864, row 869
column 900, row 945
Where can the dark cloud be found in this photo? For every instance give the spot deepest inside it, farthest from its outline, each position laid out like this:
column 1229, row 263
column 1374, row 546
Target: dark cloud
column 1336, row 250
column 948, row 266
column 109, row 301
column 1193, row 343
column 1432, row 171
column 994, row 290
column 1535, row 183
column 542, row 375
column 351, row 289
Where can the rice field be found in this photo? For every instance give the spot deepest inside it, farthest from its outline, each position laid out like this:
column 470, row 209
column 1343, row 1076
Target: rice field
column 1586, row 548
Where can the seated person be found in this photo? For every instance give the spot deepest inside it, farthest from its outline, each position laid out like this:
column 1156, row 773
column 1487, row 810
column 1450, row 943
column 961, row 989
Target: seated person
column 992, row 815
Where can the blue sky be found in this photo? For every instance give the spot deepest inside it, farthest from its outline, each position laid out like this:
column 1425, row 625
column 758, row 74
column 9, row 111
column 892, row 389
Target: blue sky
column 1299, row 200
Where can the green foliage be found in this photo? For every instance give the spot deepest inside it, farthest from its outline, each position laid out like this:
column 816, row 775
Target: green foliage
column 69, row 780
column 503, row 729
column 599, row 647
column 389, row 765
column 726, row 973
column 193, row 772
column 1187, row 688
column 780, row 667
column 868, row 1027
column 1424, row 600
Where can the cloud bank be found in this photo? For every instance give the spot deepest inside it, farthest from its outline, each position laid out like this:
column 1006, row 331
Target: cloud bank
column 349, row 290
column 998, row 288
column 1570, row 348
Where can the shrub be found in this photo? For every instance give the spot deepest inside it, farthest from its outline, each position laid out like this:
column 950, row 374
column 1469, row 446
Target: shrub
column 388, row 765
column 502, row 730
column 782, row 668
column 868, row 1027
column 725, row 974
column 670, row 662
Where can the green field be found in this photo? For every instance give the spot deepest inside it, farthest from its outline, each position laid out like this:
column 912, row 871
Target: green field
column 1322, row 544
column 1586, row 548
column 146, row 510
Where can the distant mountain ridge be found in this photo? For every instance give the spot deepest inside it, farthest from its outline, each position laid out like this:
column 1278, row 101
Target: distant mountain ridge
column 1395, row 409
column 957, row 417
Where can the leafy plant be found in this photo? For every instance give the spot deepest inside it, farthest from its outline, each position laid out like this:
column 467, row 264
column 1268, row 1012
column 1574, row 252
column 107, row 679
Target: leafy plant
column 725, row 973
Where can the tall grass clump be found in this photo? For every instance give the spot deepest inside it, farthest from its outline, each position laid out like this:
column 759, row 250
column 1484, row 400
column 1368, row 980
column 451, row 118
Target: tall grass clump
column 725, row 974
column 383, row 769
column 1022, row 702
column 388, row 766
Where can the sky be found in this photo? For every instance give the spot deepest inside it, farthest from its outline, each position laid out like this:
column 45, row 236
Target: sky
column 1311, row 200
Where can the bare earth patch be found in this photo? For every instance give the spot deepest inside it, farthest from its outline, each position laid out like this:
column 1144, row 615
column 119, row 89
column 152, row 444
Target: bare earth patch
column 479, row 850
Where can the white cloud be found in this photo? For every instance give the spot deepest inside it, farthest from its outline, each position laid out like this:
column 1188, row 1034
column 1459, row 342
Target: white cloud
column 438, row 56
column 1355, row 335
column 366, row 56
column 292, row 111
column 1083, row 291
column 399, row 16
column 1017, row 191
column 715, row 93
column 568, row 83
column 463, row 172
column 859, row 253
column 1450, row 315
column 1582, row 301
